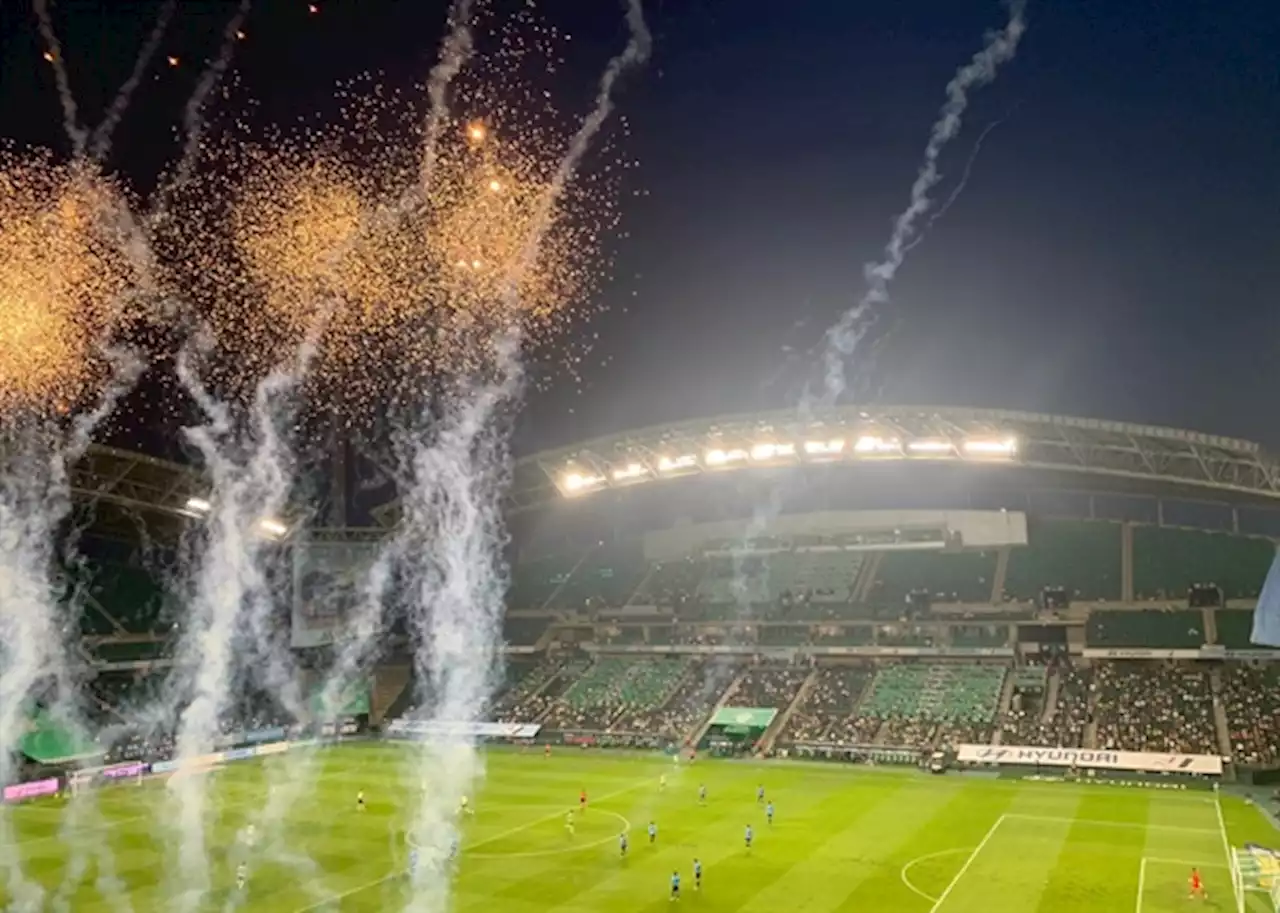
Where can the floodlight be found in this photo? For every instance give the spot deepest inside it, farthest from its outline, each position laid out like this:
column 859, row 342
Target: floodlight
column 824, row 448
column 930, row 446
column 1007, row 446
column 872, row 444
column 630, row 471
column 272, row 528
column 674, row 464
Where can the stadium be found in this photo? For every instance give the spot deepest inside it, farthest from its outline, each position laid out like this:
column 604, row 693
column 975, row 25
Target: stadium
column 978, row 659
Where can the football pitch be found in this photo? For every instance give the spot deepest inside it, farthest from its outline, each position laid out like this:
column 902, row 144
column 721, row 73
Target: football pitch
column 843, row 839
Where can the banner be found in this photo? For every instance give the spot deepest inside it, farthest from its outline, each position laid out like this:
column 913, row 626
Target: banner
column 20, row 791
column 788, row 653
column 328, row 579
column 124, row 770
column 749, row 717
column 407, row 728
column 1090, row 759
column 1210, row 652
column 1093, row 653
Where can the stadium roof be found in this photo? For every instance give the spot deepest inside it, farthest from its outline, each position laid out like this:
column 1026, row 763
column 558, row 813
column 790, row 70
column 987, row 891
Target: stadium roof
column 135, row 481
column 926, row 434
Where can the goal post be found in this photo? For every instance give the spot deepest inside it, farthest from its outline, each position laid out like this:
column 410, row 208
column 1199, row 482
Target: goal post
column 1255, row 869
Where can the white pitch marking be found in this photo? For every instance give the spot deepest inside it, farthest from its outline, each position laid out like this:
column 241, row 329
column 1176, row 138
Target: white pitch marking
column 946, row 892
column 494, row 839
column 906, row 868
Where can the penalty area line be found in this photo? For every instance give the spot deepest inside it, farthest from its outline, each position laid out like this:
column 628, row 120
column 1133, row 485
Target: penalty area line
column 369, row 885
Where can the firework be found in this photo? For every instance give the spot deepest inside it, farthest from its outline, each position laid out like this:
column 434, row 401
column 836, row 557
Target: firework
column 333, row 229
column 68, row 281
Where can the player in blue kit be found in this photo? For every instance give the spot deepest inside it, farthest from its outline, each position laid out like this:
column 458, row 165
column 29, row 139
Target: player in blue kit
column 622, row 844
column 413, row 863
column 697, row 875
column 768, row 812
column 675, row 885
column 749, row 834
column 653, row 832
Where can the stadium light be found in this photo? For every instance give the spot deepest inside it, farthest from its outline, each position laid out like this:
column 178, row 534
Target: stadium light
column 630, row 471
column 1006, row 447
column 272, row 528
column 870, row 444
column 576, row 482
column 824, row 448
column 675, row 464
column 772, row 451
column 723, row 457
column 198, row 506
column 930, row 446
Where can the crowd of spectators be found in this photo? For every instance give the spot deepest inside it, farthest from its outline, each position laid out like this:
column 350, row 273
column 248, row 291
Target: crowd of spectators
column 1251, row 699
column 767, row 686
column 1154, row 707
column 688, row 706
column 827, row 715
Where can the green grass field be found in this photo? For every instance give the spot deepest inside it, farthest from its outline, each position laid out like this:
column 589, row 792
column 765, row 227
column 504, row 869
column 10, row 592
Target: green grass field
column 844, row 839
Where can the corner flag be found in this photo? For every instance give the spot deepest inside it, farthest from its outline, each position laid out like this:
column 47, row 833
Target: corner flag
column 1266, row 618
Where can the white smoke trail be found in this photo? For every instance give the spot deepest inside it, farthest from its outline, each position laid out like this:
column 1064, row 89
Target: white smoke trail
column 70, row 114
column 35, row 497
column 251, row 480
column 453, row 505
column 193, row 114
column 938, row 214
column 842, row 338
column 100, row 141
column 454, row 53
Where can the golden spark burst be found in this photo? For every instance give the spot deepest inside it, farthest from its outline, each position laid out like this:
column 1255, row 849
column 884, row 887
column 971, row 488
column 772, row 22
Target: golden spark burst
column 67, row 281
column 329, row 233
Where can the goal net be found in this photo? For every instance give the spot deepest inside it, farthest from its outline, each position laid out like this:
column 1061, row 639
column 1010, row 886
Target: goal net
column 1255, row 869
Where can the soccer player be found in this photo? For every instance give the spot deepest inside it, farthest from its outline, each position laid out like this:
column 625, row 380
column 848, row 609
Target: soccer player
column 582, row 799
column 453, row 848
column 702, row 794
column 465, row 808
column 360, row 800
column 568, row 822
column 662, row 783
column 242, row 876
column 749, row 834
column 547, row 752
column 675, row 885
column 1197, row 886
column 768, row 812
column 653, row 832
column 760, row 794
column 622, row 844
column 413, row 862
column 697, row 874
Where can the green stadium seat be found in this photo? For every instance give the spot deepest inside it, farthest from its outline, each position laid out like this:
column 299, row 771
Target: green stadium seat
column 1166, row 562
column 947, row 576
column 1235, row 628
column 1168, row 629
column 1082, row 555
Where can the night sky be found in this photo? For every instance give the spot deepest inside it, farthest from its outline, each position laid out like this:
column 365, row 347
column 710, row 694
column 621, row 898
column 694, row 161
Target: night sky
column 1116, row 252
